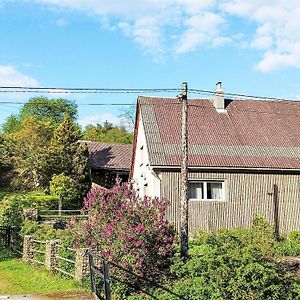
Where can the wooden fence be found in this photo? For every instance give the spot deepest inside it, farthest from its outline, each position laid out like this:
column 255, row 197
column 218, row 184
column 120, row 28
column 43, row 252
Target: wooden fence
column 55, row 257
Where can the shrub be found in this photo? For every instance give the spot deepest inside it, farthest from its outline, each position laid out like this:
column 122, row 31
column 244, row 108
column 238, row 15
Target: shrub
column 130, row 231
column 11, row 209
column 291, row 245
column 233, row 264
column 65, row 188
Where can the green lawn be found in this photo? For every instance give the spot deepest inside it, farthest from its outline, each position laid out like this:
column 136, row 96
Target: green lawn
column 19, row 278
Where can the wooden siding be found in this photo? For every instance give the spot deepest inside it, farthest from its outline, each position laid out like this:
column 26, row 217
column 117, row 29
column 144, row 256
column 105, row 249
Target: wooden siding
column 246, row 195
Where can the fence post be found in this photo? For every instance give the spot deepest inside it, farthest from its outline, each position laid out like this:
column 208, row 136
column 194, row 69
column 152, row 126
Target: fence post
column 92, row 273
column 30, row 214
column 51, row 252
column 8, row 236
column 106, row 280
column 27, row 249
column 81, row 264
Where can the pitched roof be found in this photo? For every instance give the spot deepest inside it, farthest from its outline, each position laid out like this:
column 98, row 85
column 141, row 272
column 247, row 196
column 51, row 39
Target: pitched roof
column 250, row 134
column 109, row 156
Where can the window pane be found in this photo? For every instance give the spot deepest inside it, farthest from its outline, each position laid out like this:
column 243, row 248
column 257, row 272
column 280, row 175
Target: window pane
column 196, row 190
column 214, row 190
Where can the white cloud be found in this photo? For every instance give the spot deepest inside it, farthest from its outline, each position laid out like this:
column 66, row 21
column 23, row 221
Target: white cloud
column 277, row 32
column 61, row 22
column 162, row 26
column 10, row 76
column 147, row 21
column 201, row 29
column 99, row 119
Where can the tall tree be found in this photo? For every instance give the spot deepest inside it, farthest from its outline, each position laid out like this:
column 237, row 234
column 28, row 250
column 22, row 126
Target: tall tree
column 69, row 157
column 26, row 147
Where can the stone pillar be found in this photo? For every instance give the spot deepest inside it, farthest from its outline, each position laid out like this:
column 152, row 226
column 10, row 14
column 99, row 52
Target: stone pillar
column 27, row 248
column 51, row 253
column 81, row 264
column 30, row 214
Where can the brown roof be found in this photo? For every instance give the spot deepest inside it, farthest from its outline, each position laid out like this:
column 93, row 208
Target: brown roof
column 109, row 156
column 250, row 134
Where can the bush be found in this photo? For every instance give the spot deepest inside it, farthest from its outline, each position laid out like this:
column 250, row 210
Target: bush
column 233, row 264
column 65, row 188
column 291, row 245
column 127, row 230
column 11, row 210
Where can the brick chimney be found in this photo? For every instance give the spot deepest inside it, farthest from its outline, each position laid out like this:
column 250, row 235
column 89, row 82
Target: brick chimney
column 219, row 101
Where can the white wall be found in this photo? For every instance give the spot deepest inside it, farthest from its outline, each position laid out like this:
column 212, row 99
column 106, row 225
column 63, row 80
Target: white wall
column 146, row 182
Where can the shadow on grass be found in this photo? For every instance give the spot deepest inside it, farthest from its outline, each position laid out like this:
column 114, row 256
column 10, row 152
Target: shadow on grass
column 7, row 254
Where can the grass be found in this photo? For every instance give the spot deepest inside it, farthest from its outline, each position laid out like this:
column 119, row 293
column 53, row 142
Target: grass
column 17, row 277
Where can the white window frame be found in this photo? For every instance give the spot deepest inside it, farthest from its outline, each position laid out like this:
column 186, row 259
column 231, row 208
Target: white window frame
column 204, row 182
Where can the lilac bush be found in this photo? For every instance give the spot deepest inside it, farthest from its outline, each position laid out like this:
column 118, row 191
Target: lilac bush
column 130, row 231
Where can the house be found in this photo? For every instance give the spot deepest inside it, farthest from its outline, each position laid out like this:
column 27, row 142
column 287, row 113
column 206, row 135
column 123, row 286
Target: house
column 244, row 159
column 109, row 161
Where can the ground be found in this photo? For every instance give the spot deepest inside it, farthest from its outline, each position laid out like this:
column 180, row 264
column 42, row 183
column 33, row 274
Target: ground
column 17, row 278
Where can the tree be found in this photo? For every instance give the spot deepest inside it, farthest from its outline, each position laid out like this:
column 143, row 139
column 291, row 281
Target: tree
column 53, row 110
column 70, row 157
column 65, row 188
column 12, row 124
column 107, row 133
column 26, row 148
column 128, row 117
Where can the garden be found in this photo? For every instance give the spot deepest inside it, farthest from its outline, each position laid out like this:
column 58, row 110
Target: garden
column 241, row 263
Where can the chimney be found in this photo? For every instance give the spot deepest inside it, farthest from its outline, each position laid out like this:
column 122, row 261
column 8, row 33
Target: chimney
column 219, row 101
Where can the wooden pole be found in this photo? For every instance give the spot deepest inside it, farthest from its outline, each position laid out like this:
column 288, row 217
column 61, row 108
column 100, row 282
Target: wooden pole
column 184, row 210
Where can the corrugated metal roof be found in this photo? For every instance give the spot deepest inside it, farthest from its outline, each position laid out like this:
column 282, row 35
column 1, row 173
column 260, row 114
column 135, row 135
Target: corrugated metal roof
column 250, row 133
column 109, row 156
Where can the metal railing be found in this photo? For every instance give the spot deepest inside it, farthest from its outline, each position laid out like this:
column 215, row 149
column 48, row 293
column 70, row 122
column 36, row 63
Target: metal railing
column 103, row 272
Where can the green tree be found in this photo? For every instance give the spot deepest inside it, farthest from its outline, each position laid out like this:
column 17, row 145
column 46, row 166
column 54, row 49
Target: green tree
column 12, row 124
column 70, row 157
column 107, row 133
column 65, row 188
column 26, row 147
column 53, row 110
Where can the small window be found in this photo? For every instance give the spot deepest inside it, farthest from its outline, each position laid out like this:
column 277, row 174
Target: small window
column 206, row 190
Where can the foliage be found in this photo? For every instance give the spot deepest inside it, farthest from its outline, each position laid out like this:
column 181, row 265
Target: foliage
column 130, row 231
column 64, row 187
column 71, row 158
column 26, row 140
column 12, row 125
column 49, row 110
column 107, row 133
column 233, row 264
column 27, row 148
column 291, row 245
column 11, row 210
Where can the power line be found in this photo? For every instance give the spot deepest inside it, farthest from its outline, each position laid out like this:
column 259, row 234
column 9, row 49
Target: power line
column 62, row 90
column 81, row 104
column 9, row 89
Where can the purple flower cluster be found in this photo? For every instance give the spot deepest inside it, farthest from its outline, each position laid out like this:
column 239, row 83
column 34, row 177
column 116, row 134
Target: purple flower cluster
column 130, row 231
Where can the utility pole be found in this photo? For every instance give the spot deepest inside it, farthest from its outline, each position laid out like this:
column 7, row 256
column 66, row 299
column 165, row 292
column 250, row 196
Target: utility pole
column 184, row 209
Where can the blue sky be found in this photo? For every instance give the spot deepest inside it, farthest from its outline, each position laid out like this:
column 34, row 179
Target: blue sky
column 253, row 47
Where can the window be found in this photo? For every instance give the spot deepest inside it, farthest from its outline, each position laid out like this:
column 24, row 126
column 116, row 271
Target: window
column 206, row 190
